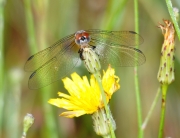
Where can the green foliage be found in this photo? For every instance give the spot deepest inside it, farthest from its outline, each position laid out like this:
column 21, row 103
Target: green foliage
column 28, row 26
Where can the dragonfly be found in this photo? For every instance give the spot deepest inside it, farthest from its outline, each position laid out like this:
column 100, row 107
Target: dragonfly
column 59, row 60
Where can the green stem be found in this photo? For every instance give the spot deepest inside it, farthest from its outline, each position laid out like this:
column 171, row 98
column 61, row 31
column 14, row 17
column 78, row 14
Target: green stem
column 173, row 17
column 97, row 76
column 163, row 107
column 30, row 27
column 50, row 122
column 113, row 13
column 136, row 80
column 138, row 102
column 107, row 136
column 136, row 15
column 2, row 91
column 151, row 109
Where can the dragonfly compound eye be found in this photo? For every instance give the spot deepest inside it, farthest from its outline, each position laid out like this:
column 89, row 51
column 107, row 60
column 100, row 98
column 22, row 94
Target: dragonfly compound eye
column 82, row 37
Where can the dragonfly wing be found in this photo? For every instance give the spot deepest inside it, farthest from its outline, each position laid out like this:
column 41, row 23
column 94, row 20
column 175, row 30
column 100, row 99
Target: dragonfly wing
column 40, row 58
column 126, row 38
column 117, row 55
column 55, row 69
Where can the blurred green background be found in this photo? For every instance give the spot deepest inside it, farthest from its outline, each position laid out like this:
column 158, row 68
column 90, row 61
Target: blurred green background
column 54, row 19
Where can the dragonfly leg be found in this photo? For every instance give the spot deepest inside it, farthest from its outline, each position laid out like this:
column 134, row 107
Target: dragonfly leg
column 93, row 47
column 81, row 54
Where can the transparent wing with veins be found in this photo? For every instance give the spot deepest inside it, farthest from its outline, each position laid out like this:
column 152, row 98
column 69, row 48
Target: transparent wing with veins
column 53, row 63
column 114, row 47
column 125, row 38
column 40, row 58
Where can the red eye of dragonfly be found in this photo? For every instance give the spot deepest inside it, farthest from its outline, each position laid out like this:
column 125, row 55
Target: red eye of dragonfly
column 59, row 60
column 81, row 37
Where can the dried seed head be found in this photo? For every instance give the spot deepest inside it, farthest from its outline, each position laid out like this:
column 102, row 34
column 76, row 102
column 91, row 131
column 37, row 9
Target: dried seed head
column 166, row 69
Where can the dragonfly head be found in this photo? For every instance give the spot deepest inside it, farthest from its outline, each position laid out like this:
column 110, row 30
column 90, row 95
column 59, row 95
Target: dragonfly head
column 82, row 37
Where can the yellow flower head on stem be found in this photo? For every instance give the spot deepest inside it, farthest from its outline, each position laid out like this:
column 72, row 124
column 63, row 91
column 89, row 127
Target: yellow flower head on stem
column 85, row 96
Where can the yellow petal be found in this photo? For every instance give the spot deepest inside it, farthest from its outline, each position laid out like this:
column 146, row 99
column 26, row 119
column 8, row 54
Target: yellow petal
column 71, row 114
column 110, row 82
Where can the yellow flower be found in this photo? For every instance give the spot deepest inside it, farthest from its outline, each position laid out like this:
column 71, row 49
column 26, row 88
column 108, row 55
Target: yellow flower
column 85, row 96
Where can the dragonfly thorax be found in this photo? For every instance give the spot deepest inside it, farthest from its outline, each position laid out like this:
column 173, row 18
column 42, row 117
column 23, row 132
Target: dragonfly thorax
column 82, row 38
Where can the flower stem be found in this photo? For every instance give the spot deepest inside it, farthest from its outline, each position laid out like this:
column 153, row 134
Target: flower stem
column 107, row 136
column 138, row 101
column 97, row 76
column 2, row 91
column 113, row 13
column 30, row 27
column 173, row 17
column 163, row 107
column 136, row 15
column 151, row 109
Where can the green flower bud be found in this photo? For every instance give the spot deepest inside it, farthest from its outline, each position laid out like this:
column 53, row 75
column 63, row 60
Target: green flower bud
column 28, row 121
column 101, row 123
column 91, row 60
